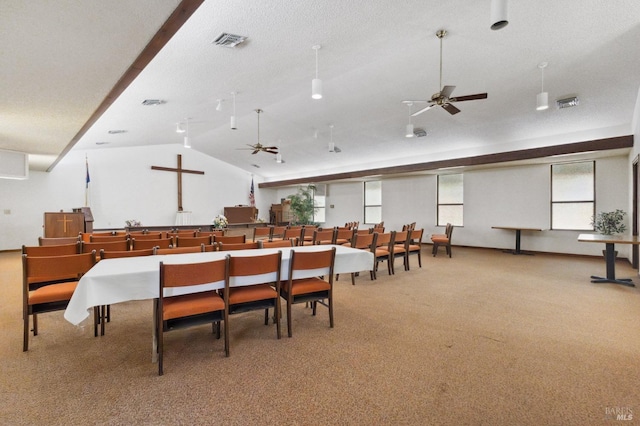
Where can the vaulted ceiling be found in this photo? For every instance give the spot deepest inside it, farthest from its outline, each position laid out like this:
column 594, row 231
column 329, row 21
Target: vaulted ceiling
column 60, row 60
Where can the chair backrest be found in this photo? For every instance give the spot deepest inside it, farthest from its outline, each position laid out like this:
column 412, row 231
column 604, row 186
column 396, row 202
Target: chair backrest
column 307, row 264
column 385, row 239
column 129, row 253
column 137, row 244
column 277, row 243
column 57, row 241
column 94, row 238
column 363, row 231
column 364, row 241
column 149, row 236
column 324, row 236
column 193, row 274
column 121, row 245
column 296, row 233
column 179, row 250
column 266, row 268
column 41, row 271
column 230, row 239
column 344, row 235
column 401, row 237
column 378, row 229
column 238, row 246
column 416, row 236
column 262, row 232
column 183, row 233
column 59, row 250
column 278, row 232
column 191, row 241
column 448, row 231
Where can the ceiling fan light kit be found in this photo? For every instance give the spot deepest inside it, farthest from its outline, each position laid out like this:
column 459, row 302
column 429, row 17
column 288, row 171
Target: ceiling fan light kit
column 499, row 18
column 542, row 99
column 316, row 83
column 409, row 131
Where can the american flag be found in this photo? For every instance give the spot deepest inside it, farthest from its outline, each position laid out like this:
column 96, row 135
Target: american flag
column 252, row 195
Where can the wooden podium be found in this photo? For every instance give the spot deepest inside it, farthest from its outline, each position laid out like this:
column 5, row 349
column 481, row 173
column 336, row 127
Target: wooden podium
column 241, row 214
column 68, row 224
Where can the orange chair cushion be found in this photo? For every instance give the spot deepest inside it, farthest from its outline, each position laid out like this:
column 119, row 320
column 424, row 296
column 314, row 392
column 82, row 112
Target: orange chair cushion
column 399, row 249
column 443, row 240
column 251, row 293
column 382, row 252
column 414, row 247
column 191, row 304
column 308, row 285
column 52, row 293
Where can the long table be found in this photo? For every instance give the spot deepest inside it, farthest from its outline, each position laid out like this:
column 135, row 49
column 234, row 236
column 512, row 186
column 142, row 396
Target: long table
column 518, row 230
column 137, row 278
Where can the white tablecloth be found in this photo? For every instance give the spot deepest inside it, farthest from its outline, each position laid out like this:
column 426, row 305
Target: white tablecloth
column 137, row 278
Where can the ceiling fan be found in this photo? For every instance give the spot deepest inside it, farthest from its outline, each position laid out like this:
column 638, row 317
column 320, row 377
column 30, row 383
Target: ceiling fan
column 443, row 97
column 258, row 147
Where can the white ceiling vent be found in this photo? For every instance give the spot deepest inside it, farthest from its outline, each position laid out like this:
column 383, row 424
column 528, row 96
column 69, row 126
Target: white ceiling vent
column 567, row 102
column 419, row 133
column 148, row 102
column 229, row 40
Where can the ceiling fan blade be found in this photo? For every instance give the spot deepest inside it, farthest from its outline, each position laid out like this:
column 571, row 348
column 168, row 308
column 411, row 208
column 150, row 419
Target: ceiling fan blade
column 447, row 90
column 428, row 107
column 270, row 151
column 255, row 152
column 469, row 97
column 269, row 147
column 450, row 108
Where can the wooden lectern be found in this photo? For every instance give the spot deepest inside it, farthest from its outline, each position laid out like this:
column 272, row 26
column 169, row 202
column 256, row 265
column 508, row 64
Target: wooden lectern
column 68, row 224
column 241, row 214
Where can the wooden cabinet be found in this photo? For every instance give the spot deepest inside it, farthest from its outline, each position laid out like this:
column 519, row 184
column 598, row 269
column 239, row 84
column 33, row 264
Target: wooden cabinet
column 241, row 214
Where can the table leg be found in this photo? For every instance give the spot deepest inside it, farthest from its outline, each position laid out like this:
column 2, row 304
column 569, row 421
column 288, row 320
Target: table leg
column 518, row 239
column 154, row 337
column 610, row 259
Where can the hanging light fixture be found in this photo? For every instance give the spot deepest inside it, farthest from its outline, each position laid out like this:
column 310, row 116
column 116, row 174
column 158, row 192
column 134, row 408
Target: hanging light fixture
column 179, row 128
column 316, row 83
column 409, row 131
column 219, row 106
column 542, row 100
column 499, row 14
column 279, row 158
column 233, row 117
column 187, row 141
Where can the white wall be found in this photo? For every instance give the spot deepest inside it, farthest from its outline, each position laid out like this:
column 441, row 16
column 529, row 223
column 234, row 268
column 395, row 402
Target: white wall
column 123, row 187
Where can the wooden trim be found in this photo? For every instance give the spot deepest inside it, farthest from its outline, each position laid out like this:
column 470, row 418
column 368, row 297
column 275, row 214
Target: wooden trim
column 501, row 157
column 180, row 15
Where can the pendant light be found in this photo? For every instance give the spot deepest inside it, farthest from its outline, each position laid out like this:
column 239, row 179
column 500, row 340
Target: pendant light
column 187, row 141
column 499, row 14
column 233, row 117
column 279, row 158
column 316, row 83
column 542, row 100
column 409, row 131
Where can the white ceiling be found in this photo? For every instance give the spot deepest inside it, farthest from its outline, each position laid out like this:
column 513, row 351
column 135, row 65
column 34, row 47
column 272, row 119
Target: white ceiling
column 60, row 59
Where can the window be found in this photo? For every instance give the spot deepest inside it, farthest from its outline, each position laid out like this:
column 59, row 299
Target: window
column 573, row 195
column 450, row 200
column 373, row 202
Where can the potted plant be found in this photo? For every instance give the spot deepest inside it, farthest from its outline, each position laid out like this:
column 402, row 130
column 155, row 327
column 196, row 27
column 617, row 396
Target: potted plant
column 609, row 223
column 302, row 205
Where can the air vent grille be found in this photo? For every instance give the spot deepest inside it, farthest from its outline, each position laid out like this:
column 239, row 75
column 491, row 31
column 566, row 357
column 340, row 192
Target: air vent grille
column 148, row 102
column 419, row 133
column 229, row 40
column 567, row 102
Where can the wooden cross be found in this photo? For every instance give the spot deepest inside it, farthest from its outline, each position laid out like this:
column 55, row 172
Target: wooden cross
column 180, row 171
column 64, row 223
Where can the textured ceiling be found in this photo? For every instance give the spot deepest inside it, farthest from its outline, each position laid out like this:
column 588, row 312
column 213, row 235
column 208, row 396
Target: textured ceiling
column 59, row 62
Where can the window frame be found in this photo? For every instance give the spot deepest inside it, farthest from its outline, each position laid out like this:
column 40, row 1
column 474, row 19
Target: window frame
column 552, row 202
column 365, row 205
column 438, row 203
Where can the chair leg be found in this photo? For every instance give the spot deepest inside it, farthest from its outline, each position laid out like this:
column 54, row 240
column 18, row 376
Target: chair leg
column 353, row 278
column 35, row 324
column 434, row 251
column 25, row 337
column 266, row 317
column 289, row 325
column 420, row 258
column 449, row 249
column 226, row 333
column 330, row 310
column 278, row 314
column 97, row 315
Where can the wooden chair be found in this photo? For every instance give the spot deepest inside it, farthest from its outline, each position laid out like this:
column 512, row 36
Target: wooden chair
column 307, row 234
column 415, row 246
column 277, row 244
column 183, row 233
column 304, row 284
column 95, row 238
column 277, row 233
column 149, row 236
column 48, row 282
column 442, row 240
column 297, row 233
column 238, row 246
column 105, row 311
column 400, row 246
column 230, row 239
column 192, row 241
column 344, row 236
column 323, row 236
column 57, row 241
column 51, row 250
column 264, row 294
column 262, row 233
column 384, row 247
column 195, row 308
column 364, row 242
column 122, row 245
column 179, row 250
column 163, row 243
